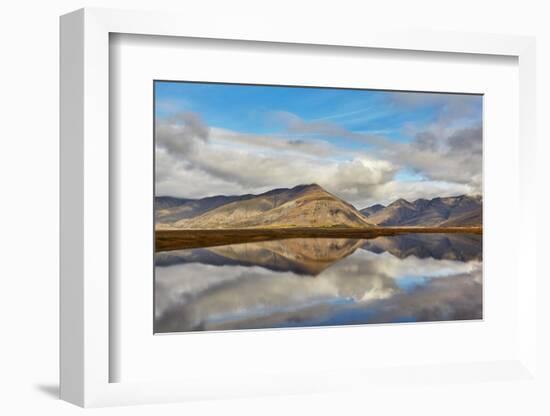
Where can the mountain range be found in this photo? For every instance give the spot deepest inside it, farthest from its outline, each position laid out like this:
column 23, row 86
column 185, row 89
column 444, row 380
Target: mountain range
column 310, row 206
column 460, row 210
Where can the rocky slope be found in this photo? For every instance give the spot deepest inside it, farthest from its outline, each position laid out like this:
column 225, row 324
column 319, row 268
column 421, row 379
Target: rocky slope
column 169, row 209
column 310, row 206
column 301, row 206
column 461, row 210
column 367, row 212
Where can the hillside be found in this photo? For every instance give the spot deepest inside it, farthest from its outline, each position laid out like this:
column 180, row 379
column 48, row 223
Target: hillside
column 367, row 212
column 301, row 206
column 461, row 210
column 310, row 206
column 169, row 209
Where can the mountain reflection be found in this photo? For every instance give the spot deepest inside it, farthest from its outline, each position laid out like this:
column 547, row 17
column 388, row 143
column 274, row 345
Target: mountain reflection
column 306, row 256
column 309, row 282
column 463, row 247
column 310, row 256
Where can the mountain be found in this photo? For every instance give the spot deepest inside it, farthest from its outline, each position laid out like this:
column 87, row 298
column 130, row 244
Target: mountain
column 367, row 212
column 301, row 206
column 460, row 210
column 167, row 202
column 310, row 206
column 169, row 209
column 473, row 217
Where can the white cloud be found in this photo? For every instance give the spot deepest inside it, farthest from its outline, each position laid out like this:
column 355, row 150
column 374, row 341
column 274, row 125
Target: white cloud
column 194, row 160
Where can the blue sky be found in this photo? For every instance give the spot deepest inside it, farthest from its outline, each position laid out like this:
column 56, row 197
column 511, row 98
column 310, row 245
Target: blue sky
column 404, row 135
column 247, row 108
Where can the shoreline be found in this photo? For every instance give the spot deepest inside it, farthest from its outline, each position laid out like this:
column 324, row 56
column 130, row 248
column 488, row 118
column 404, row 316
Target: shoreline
column 173, row 239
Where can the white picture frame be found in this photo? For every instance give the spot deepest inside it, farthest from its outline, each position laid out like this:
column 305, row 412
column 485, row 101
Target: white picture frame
column 85, row 207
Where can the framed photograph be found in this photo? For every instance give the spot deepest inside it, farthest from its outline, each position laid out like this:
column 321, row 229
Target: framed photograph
column 288, row 206
column 268, row 212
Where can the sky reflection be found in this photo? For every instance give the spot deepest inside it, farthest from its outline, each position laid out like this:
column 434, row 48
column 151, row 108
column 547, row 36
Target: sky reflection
column 310, row 282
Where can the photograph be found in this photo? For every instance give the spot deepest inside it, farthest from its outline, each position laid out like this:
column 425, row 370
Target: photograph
column 284, row 206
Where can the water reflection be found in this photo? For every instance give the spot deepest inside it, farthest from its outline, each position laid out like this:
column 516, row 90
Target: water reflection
column 308, row 282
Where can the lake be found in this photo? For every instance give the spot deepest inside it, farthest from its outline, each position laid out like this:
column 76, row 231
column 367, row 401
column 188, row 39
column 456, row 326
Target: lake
column 301, row 282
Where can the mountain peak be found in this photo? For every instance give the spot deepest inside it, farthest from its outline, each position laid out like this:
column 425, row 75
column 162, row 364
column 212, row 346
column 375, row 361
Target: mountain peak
column 310, row 186
column 399, row 202
column 373, row 209
column 301, row 206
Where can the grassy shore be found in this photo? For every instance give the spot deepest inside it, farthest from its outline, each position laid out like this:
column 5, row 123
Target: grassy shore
column 183, row 239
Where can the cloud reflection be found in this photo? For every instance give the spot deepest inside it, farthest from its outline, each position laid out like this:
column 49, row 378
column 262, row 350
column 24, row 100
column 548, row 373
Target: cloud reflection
column 359, row 286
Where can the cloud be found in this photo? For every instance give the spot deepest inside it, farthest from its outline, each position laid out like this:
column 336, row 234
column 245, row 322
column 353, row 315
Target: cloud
column 263, row 143
column 194, row 160
column 439, row 152
column 454, row 156
column 426, row 140
column 296, row 125
column 466, row 141
column 181, row 133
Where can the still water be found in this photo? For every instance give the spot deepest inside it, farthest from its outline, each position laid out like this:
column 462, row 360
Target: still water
column 319, row 281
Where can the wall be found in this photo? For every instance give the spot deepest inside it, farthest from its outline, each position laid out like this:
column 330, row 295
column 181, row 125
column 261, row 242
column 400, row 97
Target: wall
column 29, row 209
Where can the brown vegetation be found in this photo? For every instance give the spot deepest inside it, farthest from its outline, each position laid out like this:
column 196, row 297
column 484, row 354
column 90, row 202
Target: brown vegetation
column 184, row 239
